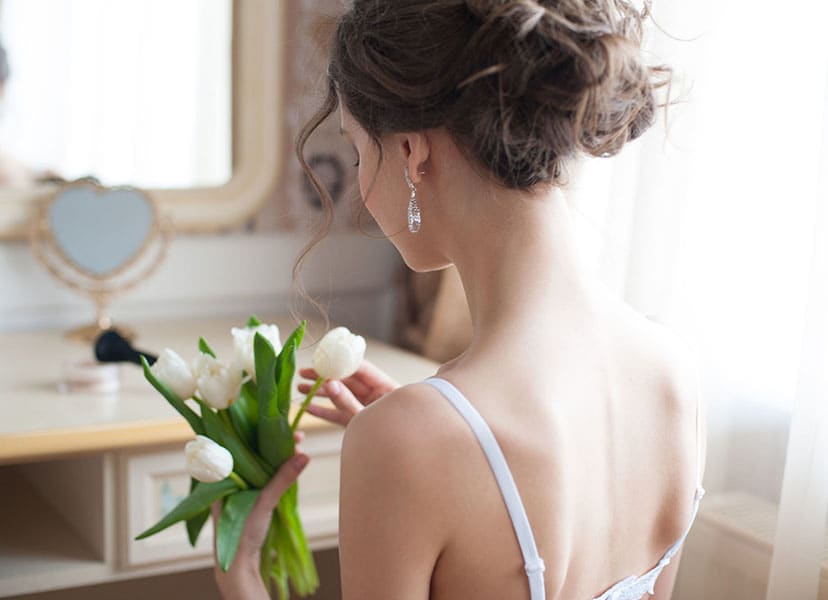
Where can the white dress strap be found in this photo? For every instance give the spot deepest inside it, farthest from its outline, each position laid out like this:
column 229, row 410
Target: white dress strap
column 533, row 563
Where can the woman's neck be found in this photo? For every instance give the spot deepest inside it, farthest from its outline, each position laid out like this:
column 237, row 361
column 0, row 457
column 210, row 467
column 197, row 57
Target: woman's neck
column 521, row 270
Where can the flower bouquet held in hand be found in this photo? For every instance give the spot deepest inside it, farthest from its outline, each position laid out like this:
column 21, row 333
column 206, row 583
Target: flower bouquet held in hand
column 243, row 435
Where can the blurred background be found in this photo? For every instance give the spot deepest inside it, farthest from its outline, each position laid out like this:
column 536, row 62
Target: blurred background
column 713, row 223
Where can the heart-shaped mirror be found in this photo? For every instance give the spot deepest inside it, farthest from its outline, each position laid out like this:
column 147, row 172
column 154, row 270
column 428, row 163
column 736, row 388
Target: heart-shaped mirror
column 101, row 231
column 99, row 240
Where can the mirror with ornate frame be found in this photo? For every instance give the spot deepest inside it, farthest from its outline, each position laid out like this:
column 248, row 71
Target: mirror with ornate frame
column 256, row 73
column 101, row 242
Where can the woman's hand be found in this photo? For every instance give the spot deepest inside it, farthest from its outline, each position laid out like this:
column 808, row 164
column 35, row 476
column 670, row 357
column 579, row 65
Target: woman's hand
column 349, row 395
column 242, row 579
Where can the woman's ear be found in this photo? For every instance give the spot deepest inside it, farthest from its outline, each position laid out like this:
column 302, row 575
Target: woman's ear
column 416, row 150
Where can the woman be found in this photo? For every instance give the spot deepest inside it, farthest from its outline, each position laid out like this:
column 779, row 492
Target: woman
column 463, row 116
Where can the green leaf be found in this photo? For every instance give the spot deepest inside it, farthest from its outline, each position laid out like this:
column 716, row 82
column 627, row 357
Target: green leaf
column 265, row 359
column 252, row 322
column 280, row 573
column 297, row 335
column 196, row 523
column 244, row 414
column 212, row 423
column 286, row 366
column 177, row 403
column 231, row 524
column 204, row 347
column 230, row 431
column 267, row 556
column 277, row 441
column 198, row 501
column 291, row 544
column 245, row 462
column 305, row 576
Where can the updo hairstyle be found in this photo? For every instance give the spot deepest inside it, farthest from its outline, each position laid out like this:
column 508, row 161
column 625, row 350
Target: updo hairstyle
column 520, row 85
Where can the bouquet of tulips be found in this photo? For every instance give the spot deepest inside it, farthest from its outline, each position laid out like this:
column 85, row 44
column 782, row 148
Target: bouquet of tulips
column 243, row 436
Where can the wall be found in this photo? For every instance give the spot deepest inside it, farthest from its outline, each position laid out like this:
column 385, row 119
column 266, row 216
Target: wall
column 218, row 275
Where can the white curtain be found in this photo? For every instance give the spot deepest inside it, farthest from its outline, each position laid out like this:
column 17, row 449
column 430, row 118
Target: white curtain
column 716, row 226
column 132, row 91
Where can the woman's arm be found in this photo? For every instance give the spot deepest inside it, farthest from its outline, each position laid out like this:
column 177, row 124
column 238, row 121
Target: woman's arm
column 390, row 529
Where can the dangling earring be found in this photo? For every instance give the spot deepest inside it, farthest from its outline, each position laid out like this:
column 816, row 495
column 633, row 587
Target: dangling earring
column 413, row 209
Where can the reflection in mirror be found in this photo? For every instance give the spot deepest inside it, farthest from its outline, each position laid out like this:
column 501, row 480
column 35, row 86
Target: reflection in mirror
column 100, row 241
column 127, row 91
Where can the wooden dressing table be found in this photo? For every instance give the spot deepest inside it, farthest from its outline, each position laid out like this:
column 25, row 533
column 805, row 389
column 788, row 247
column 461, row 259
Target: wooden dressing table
column 82, row 473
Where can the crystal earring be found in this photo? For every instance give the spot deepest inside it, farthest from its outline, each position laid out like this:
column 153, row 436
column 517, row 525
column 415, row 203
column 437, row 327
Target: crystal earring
column 413, row 209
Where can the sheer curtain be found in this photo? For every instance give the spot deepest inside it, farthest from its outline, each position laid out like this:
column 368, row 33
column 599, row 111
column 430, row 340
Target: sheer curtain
column 716, row 226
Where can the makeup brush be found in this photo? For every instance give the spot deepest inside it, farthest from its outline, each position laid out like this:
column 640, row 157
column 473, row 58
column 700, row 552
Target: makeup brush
column 111, row 346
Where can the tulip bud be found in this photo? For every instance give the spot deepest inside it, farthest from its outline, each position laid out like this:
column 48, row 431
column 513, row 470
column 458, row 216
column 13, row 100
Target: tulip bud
column 243, row 356
column 174, row 372
column 338, row 354
column 207, row 461
column 218, row 384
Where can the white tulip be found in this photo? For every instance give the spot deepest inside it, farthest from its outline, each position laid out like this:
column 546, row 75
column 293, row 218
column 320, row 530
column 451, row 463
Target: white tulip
column 207, row 461
column 218, row 384
column 338, row 354
column 174, row 372
column 243, row 356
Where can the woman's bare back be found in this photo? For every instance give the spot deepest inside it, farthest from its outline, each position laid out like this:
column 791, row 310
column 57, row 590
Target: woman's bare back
column 597, row 425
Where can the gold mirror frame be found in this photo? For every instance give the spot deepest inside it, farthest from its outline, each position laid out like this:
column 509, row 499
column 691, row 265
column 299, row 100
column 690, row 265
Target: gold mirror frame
column 101, row 288
column 258, row 111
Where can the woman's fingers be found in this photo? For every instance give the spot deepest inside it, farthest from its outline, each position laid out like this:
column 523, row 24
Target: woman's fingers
column 367, row 384
column 281, row 481
column 345, row 403
column 342, row 397
column 337, row 392
column 359, row 389
column 309, row 373
column 304, row 388
column 351, row 394
column 332, row 415
column 372, row 376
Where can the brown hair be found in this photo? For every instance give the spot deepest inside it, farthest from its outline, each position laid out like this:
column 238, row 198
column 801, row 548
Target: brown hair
column 522, row 86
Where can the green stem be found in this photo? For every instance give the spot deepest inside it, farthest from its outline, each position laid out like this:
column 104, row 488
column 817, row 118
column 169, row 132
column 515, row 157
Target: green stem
column 239, row 481
column 306, row 401
column 225, row 416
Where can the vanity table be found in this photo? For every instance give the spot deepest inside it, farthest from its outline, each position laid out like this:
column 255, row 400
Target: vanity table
column 82, row 473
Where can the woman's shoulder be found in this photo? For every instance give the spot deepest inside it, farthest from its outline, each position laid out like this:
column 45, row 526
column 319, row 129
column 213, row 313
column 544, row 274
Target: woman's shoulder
column 677, row 363
column 647, row 343
column 395, row 518
column 409, row 421
column 395, row 449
